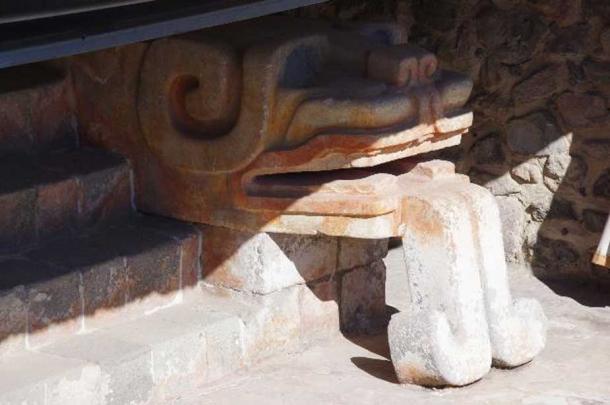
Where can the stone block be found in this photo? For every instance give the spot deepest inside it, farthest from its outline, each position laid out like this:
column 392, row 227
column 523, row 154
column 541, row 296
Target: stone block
column 39, row 378
column 513, row 225
column 541, row 85
column 582, row 110
column 190, row 260
column 17, row 219
column 224, row 341
column 601, row 187
column 13, row 316
column 16, row 131
column 105, row 196
column 35, row 109
column 152, row 265
column 363, row 307
column 178, row 349
column 273, row 325
column 105, row 285
column 55, row 306
column 124, row 367
column 319, row 311
column 53, row 122
column 536, row 134
column 56, row 208
column 188, row 236
column 594, row 220
column 360, row 252
column 529, row 171
column 96, row 261
column 263, row 262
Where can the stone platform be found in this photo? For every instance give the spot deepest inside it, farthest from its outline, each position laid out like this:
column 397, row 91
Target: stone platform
column 573, row 369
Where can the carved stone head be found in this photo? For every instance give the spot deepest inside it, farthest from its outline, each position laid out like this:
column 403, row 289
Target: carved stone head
column 274, row 124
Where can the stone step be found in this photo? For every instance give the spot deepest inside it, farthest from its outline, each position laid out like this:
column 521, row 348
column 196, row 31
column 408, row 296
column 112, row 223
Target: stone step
column 36, row 109
column 139, row 361
column 70, row 285
column 124, row 344
column 61, row 192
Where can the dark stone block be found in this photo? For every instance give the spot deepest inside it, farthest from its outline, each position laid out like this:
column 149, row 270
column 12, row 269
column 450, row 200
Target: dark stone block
column 561, row 209
column 601, row 187
column 153, row 263
column 362, row 300
column 488, row 150
column 56, row 208
column 52, row 293
column 594, row 221
column 105, row 196
column 54, row 300
column 17, row 219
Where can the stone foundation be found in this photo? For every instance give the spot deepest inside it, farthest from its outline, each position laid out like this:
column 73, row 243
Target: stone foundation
column 309, row 286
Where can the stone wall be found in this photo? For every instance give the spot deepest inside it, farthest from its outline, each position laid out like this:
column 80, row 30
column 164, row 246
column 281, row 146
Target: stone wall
column 541, row 135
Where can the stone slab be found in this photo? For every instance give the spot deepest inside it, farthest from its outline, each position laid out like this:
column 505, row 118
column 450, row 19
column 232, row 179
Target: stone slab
column 262, row 263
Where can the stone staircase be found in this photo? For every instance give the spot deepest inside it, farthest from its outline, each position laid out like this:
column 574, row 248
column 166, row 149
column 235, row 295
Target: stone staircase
column 101, row 304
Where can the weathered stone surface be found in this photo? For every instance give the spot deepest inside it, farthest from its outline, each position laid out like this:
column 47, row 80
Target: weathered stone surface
column 451, row 335
column 570, row 41
column 582, row 110
column 36, row 109
column 536, row 134
column 513, row 226
column 54, row 306
column 512, row 36
column 105, row 196
column 319, row 310
column 255, row 175
column 57, row 208
column 597, row 148
column 597, row 73
column 13, row 307
column 52, row 194
column 17, row 220
column 225, row 348
column 537, row 199
column 529, row 171
column 273, row 325
column 124, row 367
column 594, row 220
column 604, row 40
column 488, row 150
column 564, row 12
column 360, row 252
column 362, row 299
column 502, row 185
column 555, row 169
column 561, row 209
column 152, row 265
column 262, row 262
column 542, row 84
column 559, row 255
column 601, row 187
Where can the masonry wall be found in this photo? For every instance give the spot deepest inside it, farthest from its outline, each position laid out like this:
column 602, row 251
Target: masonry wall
column 541, row 135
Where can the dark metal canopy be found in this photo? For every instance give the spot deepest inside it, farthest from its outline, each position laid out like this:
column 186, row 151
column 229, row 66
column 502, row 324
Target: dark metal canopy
column 30, row 33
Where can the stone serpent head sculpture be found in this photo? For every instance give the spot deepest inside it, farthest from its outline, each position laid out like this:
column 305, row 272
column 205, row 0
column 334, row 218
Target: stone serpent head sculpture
column 306, row 127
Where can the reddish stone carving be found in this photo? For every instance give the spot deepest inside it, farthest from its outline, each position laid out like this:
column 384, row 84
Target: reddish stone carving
column 276, row 124
column 301, row 127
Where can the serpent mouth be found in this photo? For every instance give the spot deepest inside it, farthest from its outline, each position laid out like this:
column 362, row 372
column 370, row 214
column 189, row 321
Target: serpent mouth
column 339, row 174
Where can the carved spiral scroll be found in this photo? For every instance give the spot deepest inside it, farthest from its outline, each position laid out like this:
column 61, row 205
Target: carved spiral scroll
column 182, row 89
column 203, row 106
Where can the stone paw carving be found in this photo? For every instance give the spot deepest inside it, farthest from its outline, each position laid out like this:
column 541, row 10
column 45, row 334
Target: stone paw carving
column 463, row 318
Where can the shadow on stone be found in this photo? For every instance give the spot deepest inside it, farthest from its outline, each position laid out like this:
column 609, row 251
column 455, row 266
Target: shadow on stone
column 378, row 368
